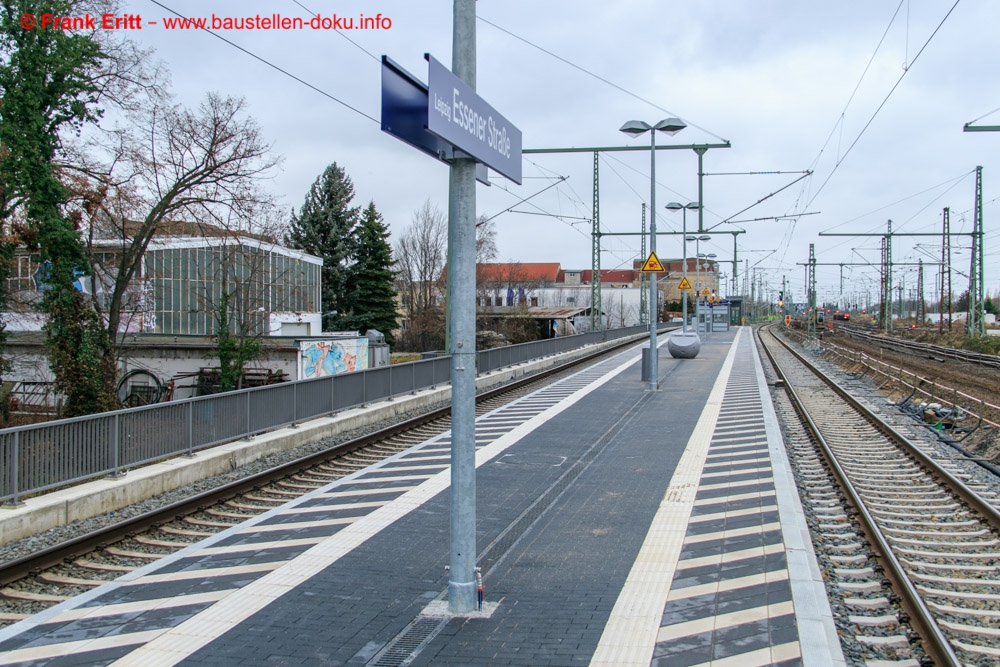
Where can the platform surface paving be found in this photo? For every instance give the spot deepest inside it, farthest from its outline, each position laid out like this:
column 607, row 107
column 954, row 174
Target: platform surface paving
column 616, row 526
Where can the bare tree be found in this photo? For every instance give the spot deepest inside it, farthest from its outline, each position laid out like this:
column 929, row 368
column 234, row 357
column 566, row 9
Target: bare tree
column 167, row 165
column 421, row 253
column 127, row 75
column 486, row 240
column 618, row 310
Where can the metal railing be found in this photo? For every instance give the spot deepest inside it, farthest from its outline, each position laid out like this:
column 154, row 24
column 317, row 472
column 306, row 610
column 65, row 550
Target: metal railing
column 498, row 357
column 41, row 457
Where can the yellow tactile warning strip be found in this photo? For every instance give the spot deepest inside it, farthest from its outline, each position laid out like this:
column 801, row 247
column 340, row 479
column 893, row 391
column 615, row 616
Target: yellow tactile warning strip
column 727, row 585
column 699, row 625
column 260, row 546
column 729, row 534
column 360, row 492
column 142, row 605
column 630, row 634
column 80, row 646
column 294, row 525
column 200, row 574
column 312, row 509
column 758, row 658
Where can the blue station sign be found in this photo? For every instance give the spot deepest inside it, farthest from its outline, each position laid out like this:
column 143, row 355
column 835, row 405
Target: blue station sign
column 404, row 115
column 458, row 115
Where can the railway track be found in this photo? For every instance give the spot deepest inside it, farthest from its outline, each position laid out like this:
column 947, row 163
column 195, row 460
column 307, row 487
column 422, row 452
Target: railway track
column 934, row 352
column 934, row 534
column 37, row 581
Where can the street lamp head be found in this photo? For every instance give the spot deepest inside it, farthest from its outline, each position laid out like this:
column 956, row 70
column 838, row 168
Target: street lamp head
column 704, row 237
column 690, row 238
column 670, row 125
column 692, row 206
column 675, row 206
column 667, row 126
column 635, row 127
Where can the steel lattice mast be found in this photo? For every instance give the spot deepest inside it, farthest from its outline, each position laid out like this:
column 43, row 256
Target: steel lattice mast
column 976, row 320
column 811, row 287
column 886, row 310
column 946, row 293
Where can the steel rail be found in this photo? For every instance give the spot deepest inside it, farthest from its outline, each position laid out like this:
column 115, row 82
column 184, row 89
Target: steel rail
column 980, row 505
column 22, row 567
column 977, row 502
column 980, row 358
column 936, row 645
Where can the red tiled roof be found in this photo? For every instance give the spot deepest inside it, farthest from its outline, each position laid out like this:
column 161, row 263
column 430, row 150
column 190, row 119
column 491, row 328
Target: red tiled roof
column 518, row 272
column 609, row 276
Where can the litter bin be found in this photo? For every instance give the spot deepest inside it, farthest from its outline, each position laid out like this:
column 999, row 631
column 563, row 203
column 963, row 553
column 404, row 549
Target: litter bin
column 645, row 363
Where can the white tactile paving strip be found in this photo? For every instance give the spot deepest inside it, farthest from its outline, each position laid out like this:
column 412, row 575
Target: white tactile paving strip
column 165, row 611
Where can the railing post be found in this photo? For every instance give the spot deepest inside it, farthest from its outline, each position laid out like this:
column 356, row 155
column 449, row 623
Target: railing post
column 15, row 469
column 116, row 447
column 333, row 395
column 190, row 428
column 295, row 405
column 248, row 435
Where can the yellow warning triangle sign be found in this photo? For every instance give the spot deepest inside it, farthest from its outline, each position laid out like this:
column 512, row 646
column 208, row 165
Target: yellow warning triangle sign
column 684, row 284
column 652, row 264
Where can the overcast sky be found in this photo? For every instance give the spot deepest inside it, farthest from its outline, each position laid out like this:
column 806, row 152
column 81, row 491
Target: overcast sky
column 775, row 78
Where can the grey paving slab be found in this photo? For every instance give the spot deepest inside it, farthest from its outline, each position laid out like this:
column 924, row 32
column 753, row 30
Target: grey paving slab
column 556, row 584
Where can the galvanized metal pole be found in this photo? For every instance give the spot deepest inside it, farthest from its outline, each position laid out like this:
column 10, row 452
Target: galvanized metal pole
column 654, row 307
column 697, row 283
column 735, row 265
column 701, row 191
column 684, row 270
column 643, row 293
column 462, row 596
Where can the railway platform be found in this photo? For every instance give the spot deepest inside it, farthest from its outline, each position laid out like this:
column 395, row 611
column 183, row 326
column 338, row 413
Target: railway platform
column 616, row 526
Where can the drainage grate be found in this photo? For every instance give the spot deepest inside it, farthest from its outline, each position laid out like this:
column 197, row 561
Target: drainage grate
column 405, row 646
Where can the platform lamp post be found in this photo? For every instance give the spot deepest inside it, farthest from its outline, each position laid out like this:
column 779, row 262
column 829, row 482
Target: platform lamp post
column 706, row 265
column 636, row 128
column 684, row 208
column 697, row 273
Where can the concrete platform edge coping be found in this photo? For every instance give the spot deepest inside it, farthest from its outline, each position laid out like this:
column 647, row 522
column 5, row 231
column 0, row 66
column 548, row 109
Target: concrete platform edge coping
column 102, row 496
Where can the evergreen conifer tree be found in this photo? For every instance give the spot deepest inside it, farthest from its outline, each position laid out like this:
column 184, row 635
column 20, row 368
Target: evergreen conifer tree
column 325, row 227
column 370, row 286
